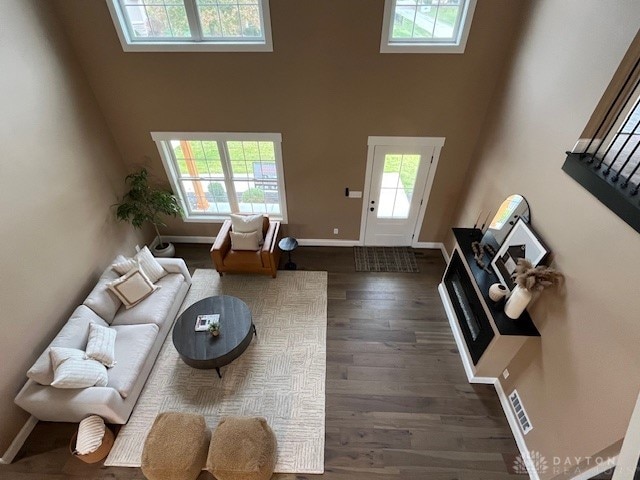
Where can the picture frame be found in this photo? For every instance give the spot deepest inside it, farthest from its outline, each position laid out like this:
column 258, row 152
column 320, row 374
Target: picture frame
column 521, row 242
column 203, row 321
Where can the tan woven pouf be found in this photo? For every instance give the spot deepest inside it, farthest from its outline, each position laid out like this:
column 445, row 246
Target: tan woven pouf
column 242, row 449
column 176, row 447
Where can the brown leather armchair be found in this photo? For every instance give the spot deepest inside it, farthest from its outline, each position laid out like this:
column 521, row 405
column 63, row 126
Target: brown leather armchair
column 265, row 260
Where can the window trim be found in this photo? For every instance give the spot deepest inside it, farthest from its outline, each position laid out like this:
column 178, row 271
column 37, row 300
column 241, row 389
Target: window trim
column 194, row 44
column 386, row 46
column 161, row 140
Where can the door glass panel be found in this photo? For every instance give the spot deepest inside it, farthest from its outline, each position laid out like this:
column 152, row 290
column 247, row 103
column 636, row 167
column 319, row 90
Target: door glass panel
column 398, row 182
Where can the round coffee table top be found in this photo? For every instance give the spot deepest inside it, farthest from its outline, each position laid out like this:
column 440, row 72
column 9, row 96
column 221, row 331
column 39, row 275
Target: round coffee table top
column 201, row 349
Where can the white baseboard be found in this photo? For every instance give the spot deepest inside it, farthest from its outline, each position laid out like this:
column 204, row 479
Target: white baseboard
column 303, row 242
column 515, row 430
column 17, row 443
column 327, row 242
column 183, row 239
column 433, row 246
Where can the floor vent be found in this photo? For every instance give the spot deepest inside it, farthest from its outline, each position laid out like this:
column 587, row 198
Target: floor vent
column 521, row 415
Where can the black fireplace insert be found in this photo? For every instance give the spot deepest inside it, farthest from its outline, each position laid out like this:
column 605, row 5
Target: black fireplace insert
column 471, row 317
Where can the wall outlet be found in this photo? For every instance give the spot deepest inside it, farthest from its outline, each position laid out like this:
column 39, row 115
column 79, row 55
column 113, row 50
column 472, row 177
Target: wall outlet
column 505, row 374
column 335, row 231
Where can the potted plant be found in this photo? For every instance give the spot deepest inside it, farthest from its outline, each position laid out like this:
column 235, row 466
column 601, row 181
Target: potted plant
column 529, row 279
column 214, row 329
column 144, row 203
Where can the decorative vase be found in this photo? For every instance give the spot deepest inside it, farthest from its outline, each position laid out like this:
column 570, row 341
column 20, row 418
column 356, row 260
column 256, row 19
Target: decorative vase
column 517, row 302
column 497, row 292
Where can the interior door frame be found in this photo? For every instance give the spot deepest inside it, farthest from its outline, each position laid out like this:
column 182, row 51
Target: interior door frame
column 373, row 141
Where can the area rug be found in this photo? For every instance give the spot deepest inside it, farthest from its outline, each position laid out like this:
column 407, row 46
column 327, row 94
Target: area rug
column 281, row 376
column 385, row 259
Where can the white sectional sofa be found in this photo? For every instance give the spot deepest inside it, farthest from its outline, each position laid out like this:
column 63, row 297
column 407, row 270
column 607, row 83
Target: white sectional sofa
column 141, row 331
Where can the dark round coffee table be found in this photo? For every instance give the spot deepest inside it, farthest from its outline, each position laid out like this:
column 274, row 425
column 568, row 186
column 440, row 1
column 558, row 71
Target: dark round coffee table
column 201, row 349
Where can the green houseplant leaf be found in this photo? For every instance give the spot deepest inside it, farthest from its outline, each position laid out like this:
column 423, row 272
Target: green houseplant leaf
column 144, row 203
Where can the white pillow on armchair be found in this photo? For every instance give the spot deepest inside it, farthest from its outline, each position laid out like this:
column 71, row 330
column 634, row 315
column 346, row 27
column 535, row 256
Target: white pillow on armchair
column 245, row 241
column 247, row 224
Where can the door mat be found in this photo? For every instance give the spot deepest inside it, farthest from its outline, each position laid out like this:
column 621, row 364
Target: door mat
column 385, row 259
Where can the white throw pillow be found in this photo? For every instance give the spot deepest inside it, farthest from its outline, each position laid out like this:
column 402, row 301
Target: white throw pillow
column 71, row 370
column 90, row 435
column 147, row 262
column 101, row 345
column 121, row 265
column 247, row 224
column 245, row 241
column 133, row 287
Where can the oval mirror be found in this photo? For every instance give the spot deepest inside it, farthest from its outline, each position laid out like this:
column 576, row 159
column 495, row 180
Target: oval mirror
column 513, row 208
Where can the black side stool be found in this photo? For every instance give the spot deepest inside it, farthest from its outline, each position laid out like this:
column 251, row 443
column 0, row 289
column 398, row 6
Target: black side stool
column 289, row 244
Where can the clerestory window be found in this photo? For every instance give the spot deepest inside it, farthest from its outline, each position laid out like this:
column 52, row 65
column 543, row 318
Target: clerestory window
column 426, row 26
column 192, row 25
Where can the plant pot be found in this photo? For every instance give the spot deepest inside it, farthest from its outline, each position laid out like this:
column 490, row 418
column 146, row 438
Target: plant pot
column 517, row 302
column 168, row 251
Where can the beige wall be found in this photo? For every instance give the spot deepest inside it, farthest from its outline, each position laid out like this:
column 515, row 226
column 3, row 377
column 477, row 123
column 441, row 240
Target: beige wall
column 59, row 174
column 326, row 88
column 580, row 385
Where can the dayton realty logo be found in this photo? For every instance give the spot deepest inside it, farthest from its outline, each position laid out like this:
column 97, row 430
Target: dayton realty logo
column 533, row 461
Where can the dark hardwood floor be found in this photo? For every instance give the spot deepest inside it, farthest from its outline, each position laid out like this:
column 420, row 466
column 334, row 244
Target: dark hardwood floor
column 398, row 405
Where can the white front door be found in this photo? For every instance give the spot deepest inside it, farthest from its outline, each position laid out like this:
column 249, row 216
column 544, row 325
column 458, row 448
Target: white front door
column 398, row 182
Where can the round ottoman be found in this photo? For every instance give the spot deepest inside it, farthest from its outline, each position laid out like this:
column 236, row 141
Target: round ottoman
column 176, row 447
column 242, row 449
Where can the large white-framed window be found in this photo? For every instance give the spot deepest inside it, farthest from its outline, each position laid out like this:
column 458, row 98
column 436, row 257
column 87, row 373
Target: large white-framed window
column 192, row 25
column 426, row 26
column 215, row 174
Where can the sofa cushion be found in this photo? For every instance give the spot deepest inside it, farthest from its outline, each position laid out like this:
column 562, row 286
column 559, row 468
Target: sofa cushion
column 74, row 334
column 239, row 258
column 153, row 309
column 101, row 300
column 133, row 344
column 72, row 370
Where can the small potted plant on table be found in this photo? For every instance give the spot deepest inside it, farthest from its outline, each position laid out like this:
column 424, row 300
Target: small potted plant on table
column 214, row 329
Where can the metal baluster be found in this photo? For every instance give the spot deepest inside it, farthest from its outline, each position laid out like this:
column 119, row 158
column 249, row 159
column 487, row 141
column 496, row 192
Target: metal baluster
column 633, row 172
column 624, row 165
column 615, row 159
column 611, row 106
